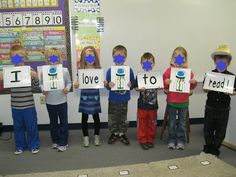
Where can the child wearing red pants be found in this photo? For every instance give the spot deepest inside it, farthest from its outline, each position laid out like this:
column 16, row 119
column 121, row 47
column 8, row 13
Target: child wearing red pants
column 147, row 108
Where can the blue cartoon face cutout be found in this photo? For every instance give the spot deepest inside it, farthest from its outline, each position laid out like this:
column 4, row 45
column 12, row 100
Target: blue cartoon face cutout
column 53, row 59
column 179, row 60
column 17, row 59
column 119, row 59
column 147, row 65
column 221, row 65
column 90, row 59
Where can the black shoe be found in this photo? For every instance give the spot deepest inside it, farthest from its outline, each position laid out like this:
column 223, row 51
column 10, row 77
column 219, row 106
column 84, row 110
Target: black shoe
column 150, row 145
column 124, row 139
column 113, row 138
column 144, row 146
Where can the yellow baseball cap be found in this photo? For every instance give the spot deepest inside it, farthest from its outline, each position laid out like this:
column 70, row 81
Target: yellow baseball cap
column 222, row 50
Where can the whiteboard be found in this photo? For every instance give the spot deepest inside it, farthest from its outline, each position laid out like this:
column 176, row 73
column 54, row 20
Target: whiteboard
column 159, row 26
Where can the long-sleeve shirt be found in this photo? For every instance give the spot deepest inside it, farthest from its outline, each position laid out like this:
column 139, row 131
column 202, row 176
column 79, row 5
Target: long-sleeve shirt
column 120, row 96
column 57, row 97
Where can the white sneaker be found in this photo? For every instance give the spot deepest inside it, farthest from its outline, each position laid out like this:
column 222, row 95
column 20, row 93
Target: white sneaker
column 62, row 148
column 35, row 151
column 180, row 146
column 171, row 146
column 54, row 146
column 86, row 141
column 18, row 151
column 97, row 140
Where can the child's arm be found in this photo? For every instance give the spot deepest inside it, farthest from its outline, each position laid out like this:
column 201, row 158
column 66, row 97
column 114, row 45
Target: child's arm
column 193, row 82
column 68, row 82
column 109, row 84
column 35, row 81
column 166, row 79
column 131, row 83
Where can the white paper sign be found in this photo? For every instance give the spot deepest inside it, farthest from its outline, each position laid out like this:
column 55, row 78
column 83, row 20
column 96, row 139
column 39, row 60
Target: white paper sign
column 180, row 78
column 16, row 76
column 150, row 80
column 91, row 78
column 52, row 77
column 120, row 75
column 219, row 82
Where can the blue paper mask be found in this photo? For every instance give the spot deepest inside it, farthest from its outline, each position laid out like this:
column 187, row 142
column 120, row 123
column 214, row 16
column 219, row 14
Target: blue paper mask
column 90, row 59
column 221, row 65
column 147, row 65
column 179, row 60
column 119, row 59
column 16, row 59
column 53, row 59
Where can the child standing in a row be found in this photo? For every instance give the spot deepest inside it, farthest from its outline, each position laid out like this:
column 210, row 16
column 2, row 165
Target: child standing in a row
column 177, row 102
column 118, row 100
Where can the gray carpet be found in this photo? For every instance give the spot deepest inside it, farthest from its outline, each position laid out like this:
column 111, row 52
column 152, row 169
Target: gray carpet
column 78, row 157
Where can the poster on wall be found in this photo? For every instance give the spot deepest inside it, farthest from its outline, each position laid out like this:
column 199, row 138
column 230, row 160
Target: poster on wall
column 37, row 25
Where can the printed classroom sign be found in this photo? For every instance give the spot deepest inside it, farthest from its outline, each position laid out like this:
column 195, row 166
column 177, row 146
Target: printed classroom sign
column 16, row 76
column 91, row 78
column 180, row 78
column 150, row 80
column 120, row 75
column 52, row 77
column 219, row 82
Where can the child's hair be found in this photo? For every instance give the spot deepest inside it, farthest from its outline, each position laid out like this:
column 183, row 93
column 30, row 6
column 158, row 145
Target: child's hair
column 119, row 48
column 183, row 51
column 82, row 58
column 148, row 56
column 17, row 49
column 53, row 51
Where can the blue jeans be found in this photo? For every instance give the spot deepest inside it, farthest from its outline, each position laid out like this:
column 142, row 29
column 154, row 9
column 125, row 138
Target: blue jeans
column 176, row 132
column 25, row 128
column 59, row 132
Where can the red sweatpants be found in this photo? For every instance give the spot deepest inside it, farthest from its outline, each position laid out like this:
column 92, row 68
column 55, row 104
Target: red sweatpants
column 147, row 125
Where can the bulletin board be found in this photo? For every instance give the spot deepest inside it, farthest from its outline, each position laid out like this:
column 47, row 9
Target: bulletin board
column 37, row 25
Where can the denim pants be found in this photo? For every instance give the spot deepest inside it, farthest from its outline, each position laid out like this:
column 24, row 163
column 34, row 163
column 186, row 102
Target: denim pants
column 176, row 131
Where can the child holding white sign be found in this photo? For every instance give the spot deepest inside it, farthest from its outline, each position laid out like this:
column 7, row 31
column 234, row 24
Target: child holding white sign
column 147, row 107
column 23, row 109
column 177, row 102
column 118, row 99
column 56, row 103
column 217, row 105
column 89, row 98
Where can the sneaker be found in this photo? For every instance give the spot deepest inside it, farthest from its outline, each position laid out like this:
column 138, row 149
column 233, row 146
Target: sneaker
column 180, row 146
column 97, row 140
column 171, row 146
column 18, row 151
column 113, row 138
column 86, row 141
column 144, row 146
column 54, row 146
column 150, row 145
column 62, row 148
column 35, row 151
column 124, row 139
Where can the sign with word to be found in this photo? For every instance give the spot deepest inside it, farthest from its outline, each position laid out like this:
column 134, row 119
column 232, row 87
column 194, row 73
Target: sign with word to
column 52, row 77
column 91, row 78
column 180, row 78
column 150, row 80
column 16, row 76
column 219, row 82
column 120, row 75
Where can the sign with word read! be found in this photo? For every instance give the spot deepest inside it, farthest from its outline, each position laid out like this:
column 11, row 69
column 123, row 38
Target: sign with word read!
column 180, row 78
column 16, row 76
column 120, row 75
column 150, row 80
column 91, row 78
column 219, row 82
column 52, row 77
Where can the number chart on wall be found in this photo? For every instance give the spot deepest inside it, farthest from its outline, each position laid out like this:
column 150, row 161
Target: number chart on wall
column 37, row 25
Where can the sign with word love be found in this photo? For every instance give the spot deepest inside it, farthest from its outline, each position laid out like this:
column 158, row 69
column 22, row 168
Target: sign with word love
column 180, row 78
column 16, row 76
column 120, row 76
column 219, row 82
column 52, row 77
column 91, row 78
column 150, row 80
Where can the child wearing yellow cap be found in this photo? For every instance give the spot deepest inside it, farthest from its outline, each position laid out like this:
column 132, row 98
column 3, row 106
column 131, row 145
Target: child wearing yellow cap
column 217, row 105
